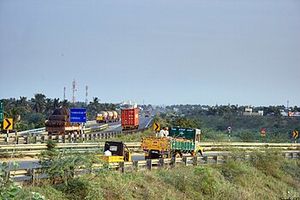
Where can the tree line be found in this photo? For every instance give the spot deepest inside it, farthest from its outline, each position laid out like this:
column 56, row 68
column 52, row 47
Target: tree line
column 32, row 113
column 225, row 110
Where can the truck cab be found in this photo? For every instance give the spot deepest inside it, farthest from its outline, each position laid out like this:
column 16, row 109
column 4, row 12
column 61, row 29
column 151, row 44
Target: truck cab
column 119, row 152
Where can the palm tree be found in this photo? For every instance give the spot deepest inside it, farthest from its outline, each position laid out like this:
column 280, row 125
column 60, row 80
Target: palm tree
column 56, row 103
column 48, row 106
column 94, row 106
column 39, row 103
column 65, row 103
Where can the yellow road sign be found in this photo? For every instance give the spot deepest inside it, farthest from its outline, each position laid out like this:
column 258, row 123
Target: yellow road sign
column 295, row 134
column 156, row 127
column 8, row 124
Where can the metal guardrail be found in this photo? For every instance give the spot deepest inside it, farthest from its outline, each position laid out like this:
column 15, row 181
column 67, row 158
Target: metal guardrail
column 33, row 131
column 249, row 145
column 40, row 137
column 33, row 174
column 43, row 129
column 35, row 149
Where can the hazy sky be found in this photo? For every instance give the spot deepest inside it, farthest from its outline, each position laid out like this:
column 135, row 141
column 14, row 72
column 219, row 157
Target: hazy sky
column 159, row 51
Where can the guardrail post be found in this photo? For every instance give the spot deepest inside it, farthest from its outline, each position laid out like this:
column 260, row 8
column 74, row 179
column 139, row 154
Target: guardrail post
column 122, row 167
column 75, row 137
column 82, row 137
column 30, row 174
column 35, row 139
column 173, row 161
column 38, row 139
column 136, row 165
column 184, row 159
column 59, row 138
column 205, row 159
column 64, row 138
column 215, row 159
column 149, row 164
column 7, row 139
column 6, row 175
column 195, row 159
column 26, row 139
column 42, row 139
column 161, row 162
column 70, row 138
column 17, row 139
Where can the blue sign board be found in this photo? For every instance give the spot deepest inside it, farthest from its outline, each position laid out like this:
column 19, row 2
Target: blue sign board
column 78, row 115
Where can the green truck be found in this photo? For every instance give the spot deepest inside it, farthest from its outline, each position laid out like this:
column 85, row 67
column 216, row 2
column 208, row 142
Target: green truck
column 179, row 141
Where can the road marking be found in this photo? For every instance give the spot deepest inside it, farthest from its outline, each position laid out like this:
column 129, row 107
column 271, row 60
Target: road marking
column 114, row 126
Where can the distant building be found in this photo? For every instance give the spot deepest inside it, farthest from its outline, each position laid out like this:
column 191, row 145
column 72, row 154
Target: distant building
column 249, row 112
column 294, row 114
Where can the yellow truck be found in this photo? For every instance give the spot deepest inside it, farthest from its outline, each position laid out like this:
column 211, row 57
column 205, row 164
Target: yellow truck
column 179, row 142
column 119, row 152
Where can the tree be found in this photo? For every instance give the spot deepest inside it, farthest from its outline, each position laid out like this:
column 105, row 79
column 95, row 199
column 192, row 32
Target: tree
column 61, row 166
column 56, row 103
column 65, row 103
column 39, row 103
column 48, row 106
column 94, row 107
column 184, row 122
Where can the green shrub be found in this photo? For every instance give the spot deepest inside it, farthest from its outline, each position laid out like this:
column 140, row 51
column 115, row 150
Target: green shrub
column 269, row 162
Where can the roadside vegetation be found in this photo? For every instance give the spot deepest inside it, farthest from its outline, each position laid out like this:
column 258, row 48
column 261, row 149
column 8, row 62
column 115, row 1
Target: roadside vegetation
column 265, row 175
column 214, row 125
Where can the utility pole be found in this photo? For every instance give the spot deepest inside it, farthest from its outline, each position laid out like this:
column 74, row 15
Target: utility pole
column 86, row 94
column 73, row 90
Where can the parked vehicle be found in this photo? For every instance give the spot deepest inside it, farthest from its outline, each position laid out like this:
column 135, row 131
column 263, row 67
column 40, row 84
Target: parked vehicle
column 180, row 141
column 130, row 118
column 59, row 123
column 107, row 116
column 118, row 152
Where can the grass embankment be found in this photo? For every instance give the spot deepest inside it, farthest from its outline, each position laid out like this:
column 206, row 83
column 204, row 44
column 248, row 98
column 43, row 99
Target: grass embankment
column 263, row 176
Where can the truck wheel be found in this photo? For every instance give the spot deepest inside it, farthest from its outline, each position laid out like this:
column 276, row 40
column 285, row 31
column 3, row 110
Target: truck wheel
column 200, row 152
column 177, row 155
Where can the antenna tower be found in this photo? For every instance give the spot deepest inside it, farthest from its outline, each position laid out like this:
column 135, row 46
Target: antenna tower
column 86, row 94
column 64, row 93
column 73, row 90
